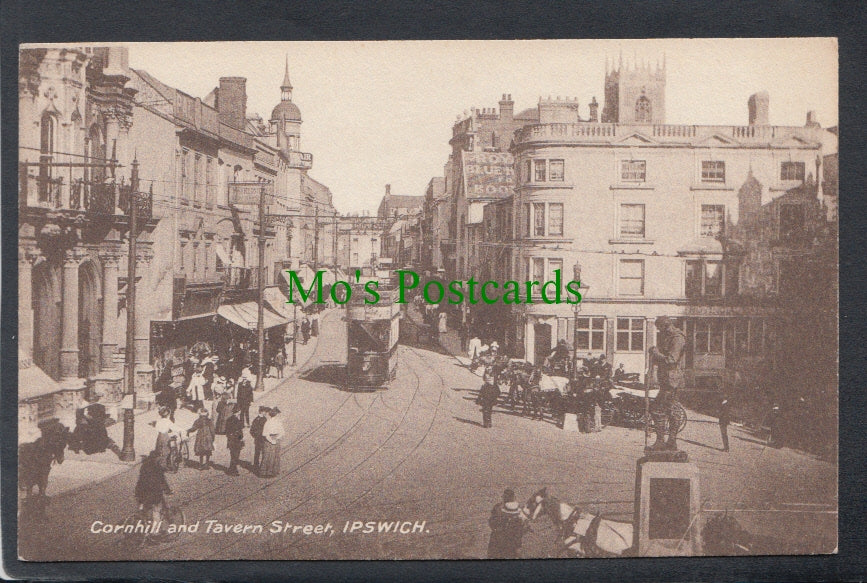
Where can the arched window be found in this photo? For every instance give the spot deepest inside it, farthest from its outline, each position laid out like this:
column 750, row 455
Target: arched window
column 47, row 141
column 643, row 112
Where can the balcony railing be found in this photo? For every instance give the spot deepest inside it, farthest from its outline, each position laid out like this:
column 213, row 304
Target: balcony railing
column 238, row 278
column 604, row 132
column 43, row 190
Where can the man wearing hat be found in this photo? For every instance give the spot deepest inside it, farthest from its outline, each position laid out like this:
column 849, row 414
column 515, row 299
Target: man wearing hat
column 507, row 528
column 256, row 428
column 724, row 418
column 668, row 358
column 234, row 441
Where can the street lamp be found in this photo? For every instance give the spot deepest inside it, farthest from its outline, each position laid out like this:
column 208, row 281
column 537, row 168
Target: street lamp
column 127, row 453
column 576, row 276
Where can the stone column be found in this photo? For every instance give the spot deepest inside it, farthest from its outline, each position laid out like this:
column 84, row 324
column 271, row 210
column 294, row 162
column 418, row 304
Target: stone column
column 69, row 330
column 26, row 256
column 109, row 312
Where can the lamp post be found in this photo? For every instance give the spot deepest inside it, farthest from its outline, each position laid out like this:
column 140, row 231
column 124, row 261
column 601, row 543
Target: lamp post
column 576, row 276
column 127, row 453
column 260, row 324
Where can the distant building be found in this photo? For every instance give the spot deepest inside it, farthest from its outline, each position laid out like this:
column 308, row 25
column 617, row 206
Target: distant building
column 393, row 206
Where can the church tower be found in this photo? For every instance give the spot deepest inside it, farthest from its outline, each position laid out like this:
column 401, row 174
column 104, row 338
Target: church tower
column 634, row 94
column 286, row 117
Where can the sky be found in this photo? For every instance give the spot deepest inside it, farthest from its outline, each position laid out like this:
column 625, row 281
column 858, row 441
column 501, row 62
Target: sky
column 377, row 113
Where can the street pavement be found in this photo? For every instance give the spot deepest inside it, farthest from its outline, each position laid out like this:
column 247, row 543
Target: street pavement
column 415, row 456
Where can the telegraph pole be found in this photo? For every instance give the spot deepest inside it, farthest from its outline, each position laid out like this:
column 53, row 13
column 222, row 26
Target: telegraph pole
column 315, row 239
column 334, row 247
column 127, row 454
column 261, row 303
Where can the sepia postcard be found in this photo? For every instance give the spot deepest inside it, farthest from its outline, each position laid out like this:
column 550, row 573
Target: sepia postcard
column 427, row 299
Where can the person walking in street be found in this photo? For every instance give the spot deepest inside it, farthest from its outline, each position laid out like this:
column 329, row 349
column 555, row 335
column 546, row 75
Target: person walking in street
column 724, row 419
column 305, row 330
column 668, row 357
column 152, row 486
column 196, row 389
column 272, row 432
column 280, row 363
column 489, row 394
column 474, row 348
column 234, row 442
column 507, row 528
column 443, row 323
column 205, row 434
column 245, row 399
column 166, row 431
column 256, row 428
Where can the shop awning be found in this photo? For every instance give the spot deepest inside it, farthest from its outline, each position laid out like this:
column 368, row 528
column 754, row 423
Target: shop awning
column 278, row 302
column 245, row 315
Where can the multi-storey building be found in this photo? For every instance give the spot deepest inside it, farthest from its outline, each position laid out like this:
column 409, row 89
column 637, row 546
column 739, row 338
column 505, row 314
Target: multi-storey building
column 76, row 112
column 695, row 222
column 430, row 255
column 401, row 241
column 479, row 171
column 359, row 242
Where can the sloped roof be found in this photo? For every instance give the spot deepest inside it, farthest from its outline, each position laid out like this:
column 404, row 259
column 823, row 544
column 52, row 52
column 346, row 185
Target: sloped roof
column 531, row 113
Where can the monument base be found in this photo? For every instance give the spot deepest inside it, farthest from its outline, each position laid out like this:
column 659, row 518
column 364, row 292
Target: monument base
column 667, row 505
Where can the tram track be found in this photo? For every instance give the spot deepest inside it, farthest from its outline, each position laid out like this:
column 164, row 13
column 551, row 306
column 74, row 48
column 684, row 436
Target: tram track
column 221, row 551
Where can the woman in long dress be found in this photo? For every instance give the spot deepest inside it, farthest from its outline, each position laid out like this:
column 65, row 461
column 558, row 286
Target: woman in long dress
column 204, row 444
column 443, row 325
column 223, row 409
column 272, row 432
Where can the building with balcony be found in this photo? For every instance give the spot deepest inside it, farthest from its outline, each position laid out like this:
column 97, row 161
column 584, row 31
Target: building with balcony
column 76, row 113
column 694, row 222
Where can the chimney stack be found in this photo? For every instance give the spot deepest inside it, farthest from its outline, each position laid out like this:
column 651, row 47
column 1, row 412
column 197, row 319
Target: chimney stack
column 388, row 190
column 758, row 106
column 231, row 101
column 507, row 107
column 812, row 120
column 594, row 110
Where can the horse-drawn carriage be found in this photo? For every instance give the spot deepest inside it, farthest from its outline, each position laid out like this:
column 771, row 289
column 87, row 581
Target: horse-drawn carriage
column 540, row 391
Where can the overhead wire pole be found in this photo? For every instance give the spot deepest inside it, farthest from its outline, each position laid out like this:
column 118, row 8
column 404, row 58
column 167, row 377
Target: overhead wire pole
column 127, row 454
column 260, row 371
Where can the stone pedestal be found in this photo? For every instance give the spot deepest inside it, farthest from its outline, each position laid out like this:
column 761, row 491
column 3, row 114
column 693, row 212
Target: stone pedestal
column 667, row 504
column 106, row 387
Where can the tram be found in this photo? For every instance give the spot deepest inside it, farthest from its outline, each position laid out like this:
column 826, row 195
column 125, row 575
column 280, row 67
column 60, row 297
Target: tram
column 372, row 334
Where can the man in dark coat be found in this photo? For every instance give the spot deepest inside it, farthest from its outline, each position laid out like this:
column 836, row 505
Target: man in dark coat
column 724, row 419
column 256, row 433
column 668, row 358
column 489, row 394
column 234, row 441
column 168, row 398
column 245, row 399
column 151, row 486
column 507, row 528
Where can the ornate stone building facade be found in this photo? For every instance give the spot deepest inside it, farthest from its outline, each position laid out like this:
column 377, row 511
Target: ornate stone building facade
column 76, row 111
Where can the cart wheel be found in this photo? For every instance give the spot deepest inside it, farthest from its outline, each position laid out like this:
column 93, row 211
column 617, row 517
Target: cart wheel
column 185, row 452
column 679, row 414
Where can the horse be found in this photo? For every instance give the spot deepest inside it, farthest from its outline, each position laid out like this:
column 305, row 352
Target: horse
column 583, row 534
column 35, row 458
